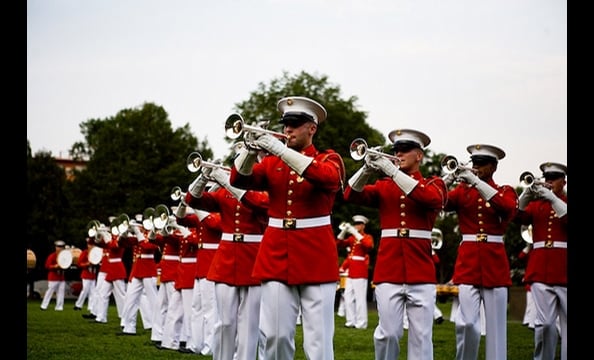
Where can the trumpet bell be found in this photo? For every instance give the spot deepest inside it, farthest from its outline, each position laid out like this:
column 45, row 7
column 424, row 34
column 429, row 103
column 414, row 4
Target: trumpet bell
column 234, row 126
column 358, row 149
column 93, row 228
column 193, row 162
column 526, row 178
column 161, row 216
column 147, row 218
column 176, row 193
column 436, row 239
column 526, row 232
column 449, row 164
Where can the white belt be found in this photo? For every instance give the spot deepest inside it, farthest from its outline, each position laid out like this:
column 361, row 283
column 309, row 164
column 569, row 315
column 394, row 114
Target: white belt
column 170, row 257
column 209, row 246
column 242, row 237
column 188, row 260
column 292, row 223
column 147, row 256
column 360, row 258
column 115, row 260
column 406, row 233
column 483, row 238
column 549, row 244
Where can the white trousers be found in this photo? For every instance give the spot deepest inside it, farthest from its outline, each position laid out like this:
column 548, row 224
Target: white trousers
column 418, row 300
column 436, row 315
column 550, row 303
column 237, row 326
column 278, row 316
column 203, row 318
column 58, row 287
column 86, row 293
column 468, row 333
column 355, row 300
column 177, row 322
column 166, row 289
column 134, row 294
column 454, row 311
column 118, row 289
column 529, row 311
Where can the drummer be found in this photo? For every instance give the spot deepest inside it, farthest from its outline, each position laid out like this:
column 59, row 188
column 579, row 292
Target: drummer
column 56, row 281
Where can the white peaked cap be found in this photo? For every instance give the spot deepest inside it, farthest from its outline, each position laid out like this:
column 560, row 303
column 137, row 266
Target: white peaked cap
column 551, row 167
column 360, row 219
column 299, row 105
column 486, row 150
column 409, row 135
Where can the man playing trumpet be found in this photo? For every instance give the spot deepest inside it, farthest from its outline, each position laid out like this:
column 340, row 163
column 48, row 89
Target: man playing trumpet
column 544, row 206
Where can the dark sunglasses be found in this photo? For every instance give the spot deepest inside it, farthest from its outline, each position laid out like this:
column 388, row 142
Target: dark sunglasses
column 404, row 147
column 550, row 176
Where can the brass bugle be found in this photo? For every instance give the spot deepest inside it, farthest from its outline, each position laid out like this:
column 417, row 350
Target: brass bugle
column 177, row 193
column 528, row 180
column 235, row 126
column 450, row 165
column 194, row 162
column 359, row 149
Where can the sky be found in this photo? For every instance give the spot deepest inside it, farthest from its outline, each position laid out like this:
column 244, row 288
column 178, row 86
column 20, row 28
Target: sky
column 462, row 71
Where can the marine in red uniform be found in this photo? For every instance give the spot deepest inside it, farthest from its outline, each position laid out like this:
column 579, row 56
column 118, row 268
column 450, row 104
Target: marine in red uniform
column 204, row 309
column 404, row 273
column 56, row 280
column 243, row 220
column 481, row 271
column 115, row 277
column 88, row 276
column 142, row 280
column 356, row 263
column 544, row 206
column 298, row 256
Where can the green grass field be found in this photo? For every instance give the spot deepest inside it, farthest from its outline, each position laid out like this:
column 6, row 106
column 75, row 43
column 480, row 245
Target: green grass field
column 63, row 335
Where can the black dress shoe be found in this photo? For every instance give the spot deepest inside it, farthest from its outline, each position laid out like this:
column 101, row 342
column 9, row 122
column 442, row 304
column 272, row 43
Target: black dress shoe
column 185, row 350
column 76, row 308
column 121, row 333
column 89, row 316
column 439, row 320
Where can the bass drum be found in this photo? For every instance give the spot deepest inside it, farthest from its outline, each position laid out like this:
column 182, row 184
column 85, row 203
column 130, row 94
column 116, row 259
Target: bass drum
column 65, row 259
column 95, row 255
column 31, row 259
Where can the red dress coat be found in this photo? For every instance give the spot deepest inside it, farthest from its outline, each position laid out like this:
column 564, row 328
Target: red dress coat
column 547, row 265
column 482, row 263
column 88, row 270
column 358, row 256
column 54, row 272
column 300, row 255
column 143, row 258
column 209, row 233
column 403, row 260
column 170, row 259
column 234, row 260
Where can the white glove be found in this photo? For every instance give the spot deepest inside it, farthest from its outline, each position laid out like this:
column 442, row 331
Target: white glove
column 202, row 214
column 197, row 186
column 359, row 179
column 139, row 234
column 294, row 159
column 558, row 205
column 404, row 182
column 527, row 248
column 449, row 179
column 222, row 178
column 181, row 210
column 184, row 231
column 351, row 229
column 244, row 162
column 342, row 234
column 486, row 191
column 526, row 197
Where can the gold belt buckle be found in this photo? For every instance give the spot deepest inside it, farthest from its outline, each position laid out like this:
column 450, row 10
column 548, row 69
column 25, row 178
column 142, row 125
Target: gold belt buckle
column 200, row 246
column 403, row 233
column 549, row 244
column 289, row 223
column 481, row 237
column 237, row 237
